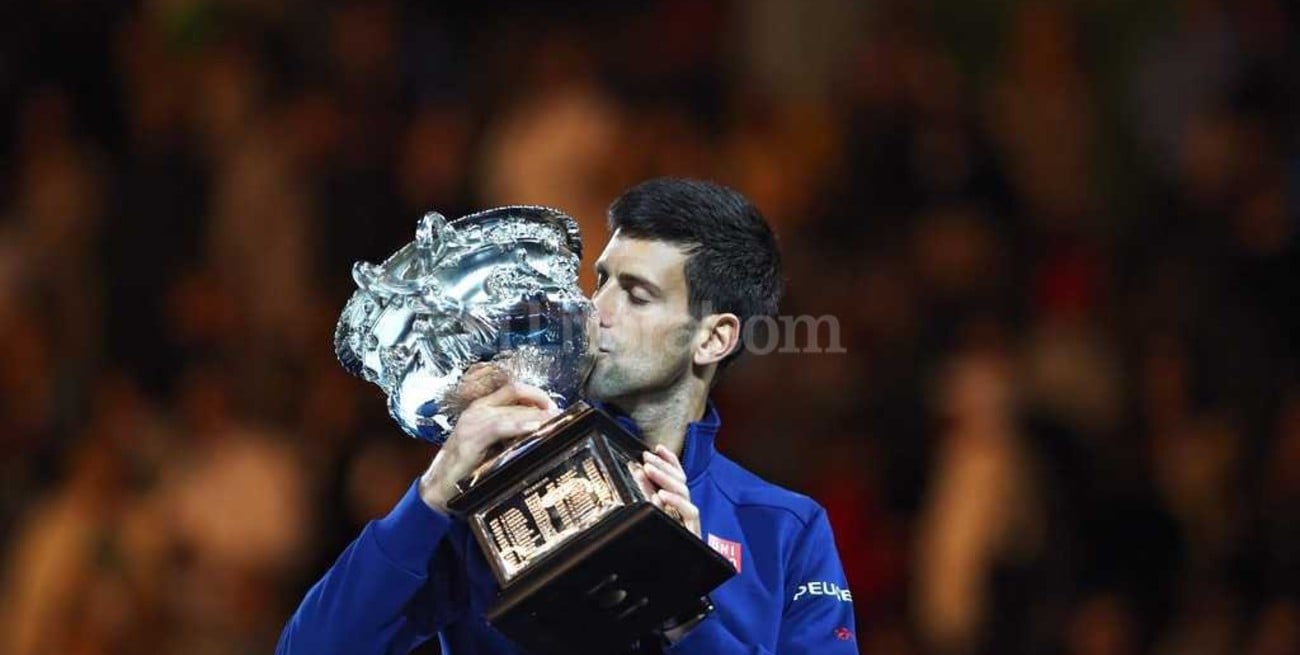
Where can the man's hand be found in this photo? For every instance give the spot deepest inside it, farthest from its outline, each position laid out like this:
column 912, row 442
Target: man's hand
column 663, row 480
column 510, row 411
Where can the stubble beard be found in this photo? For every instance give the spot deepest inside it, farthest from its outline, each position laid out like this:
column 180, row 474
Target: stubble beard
column 620, row 383
column 607, row 381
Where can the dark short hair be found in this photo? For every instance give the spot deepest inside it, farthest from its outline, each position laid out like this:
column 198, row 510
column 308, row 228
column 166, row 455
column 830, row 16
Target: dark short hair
column 733, row 264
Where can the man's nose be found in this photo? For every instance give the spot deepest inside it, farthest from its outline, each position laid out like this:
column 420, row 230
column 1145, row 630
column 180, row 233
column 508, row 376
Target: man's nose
column 603, row 304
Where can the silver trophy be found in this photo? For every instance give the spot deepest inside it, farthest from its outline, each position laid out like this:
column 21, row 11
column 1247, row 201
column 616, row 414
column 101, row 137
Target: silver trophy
column 499, row 286
column 577, row 548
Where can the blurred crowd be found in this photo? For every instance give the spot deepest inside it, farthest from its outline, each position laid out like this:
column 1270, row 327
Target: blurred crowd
column 1054, row 242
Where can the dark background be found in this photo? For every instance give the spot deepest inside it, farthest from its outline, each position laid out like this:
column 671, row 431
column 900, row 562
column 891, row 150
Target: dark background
column 1057, row 241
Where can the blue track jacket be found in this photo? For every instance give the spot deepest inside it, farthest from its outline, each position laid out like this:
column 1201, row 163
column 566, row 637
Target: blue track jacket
column 417, row 573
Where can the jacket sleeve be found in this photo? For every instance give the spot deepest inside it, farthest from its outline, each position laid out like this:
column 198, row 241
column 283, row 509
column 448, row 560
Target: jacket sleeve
column 390, row 590
column 818, row 612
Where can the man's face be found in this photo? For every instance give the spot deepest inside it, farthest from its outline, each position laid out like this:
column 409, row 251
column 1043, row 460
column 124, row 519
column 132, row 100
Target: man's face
column 646, row 329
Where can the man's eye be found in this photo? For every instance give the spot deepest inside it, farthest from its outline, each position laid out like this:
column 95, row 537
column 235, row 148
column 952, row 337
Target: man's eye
column 637, row 300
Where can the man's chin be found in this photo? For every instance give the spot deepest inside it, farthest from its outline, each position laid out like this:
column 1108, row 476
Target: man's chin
column 597, row 387
column 593, row 392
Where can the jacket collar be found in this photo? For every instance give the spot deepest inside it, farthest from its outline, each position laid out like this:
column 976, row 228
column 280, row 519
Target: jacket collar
column 697, row 449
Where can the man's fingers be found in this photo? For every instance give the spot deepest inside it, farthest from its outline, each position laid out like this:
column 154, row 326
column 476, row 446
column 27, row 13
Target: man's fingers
column 685, row 510
column 683, row 505
column 483, row 371
column 478, row 381
column 518, row 393
column 666, row 482
column 671, row 457
column 653, row 460
column 665, row 488
column 517, row 420
column 642, row 481
column 488, row 426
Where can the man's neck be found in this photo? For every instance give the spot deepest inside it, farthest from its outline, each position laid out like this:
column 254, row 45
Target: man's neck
column 663, row 420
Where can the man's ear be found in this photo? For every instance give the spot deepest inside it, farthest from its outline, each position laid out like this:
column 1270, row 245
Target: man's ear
column 720, row 336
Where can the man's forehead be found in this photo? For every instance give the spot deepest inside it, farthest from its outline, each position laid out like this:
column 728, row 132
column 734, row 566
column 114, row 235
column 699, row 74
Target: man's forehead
column 659, row 261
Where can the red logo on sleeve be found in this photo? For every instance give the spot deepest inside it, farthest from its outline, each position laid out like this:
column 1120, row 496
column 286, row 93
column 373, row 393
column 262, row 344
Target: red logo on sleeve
column 726, row 548
column 843, row 634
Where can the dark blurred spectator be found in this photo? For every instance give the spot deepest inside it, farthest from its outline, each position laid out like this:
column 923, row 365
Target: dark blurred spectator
column 237, row 507
column 981, row 508
column 551, row 145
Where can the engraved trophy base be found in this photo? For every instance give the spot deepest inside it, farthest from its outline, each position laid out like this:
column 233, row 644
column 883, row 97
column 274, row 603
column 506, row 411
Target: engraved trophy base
column 586, row 564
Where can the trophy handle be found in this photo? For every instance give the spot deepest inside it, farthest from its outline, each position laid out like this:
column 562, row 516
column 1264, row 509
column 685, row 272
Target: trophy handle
column 405, row 273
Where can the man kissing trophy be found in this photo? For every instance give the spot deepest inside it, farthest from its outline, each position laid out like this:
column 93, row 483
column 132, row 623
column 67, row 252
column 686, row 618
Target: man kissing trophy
column 577, row 549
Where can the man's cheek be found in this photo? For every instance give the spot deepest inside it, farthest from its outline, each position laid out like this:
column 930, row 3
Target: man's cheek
column 648, row 336
column 678, row 338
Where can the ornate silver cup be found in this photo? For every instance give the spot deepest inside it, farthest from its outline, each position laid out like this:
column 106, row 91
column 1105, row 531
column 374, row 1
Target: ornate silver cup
column 498, row 286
